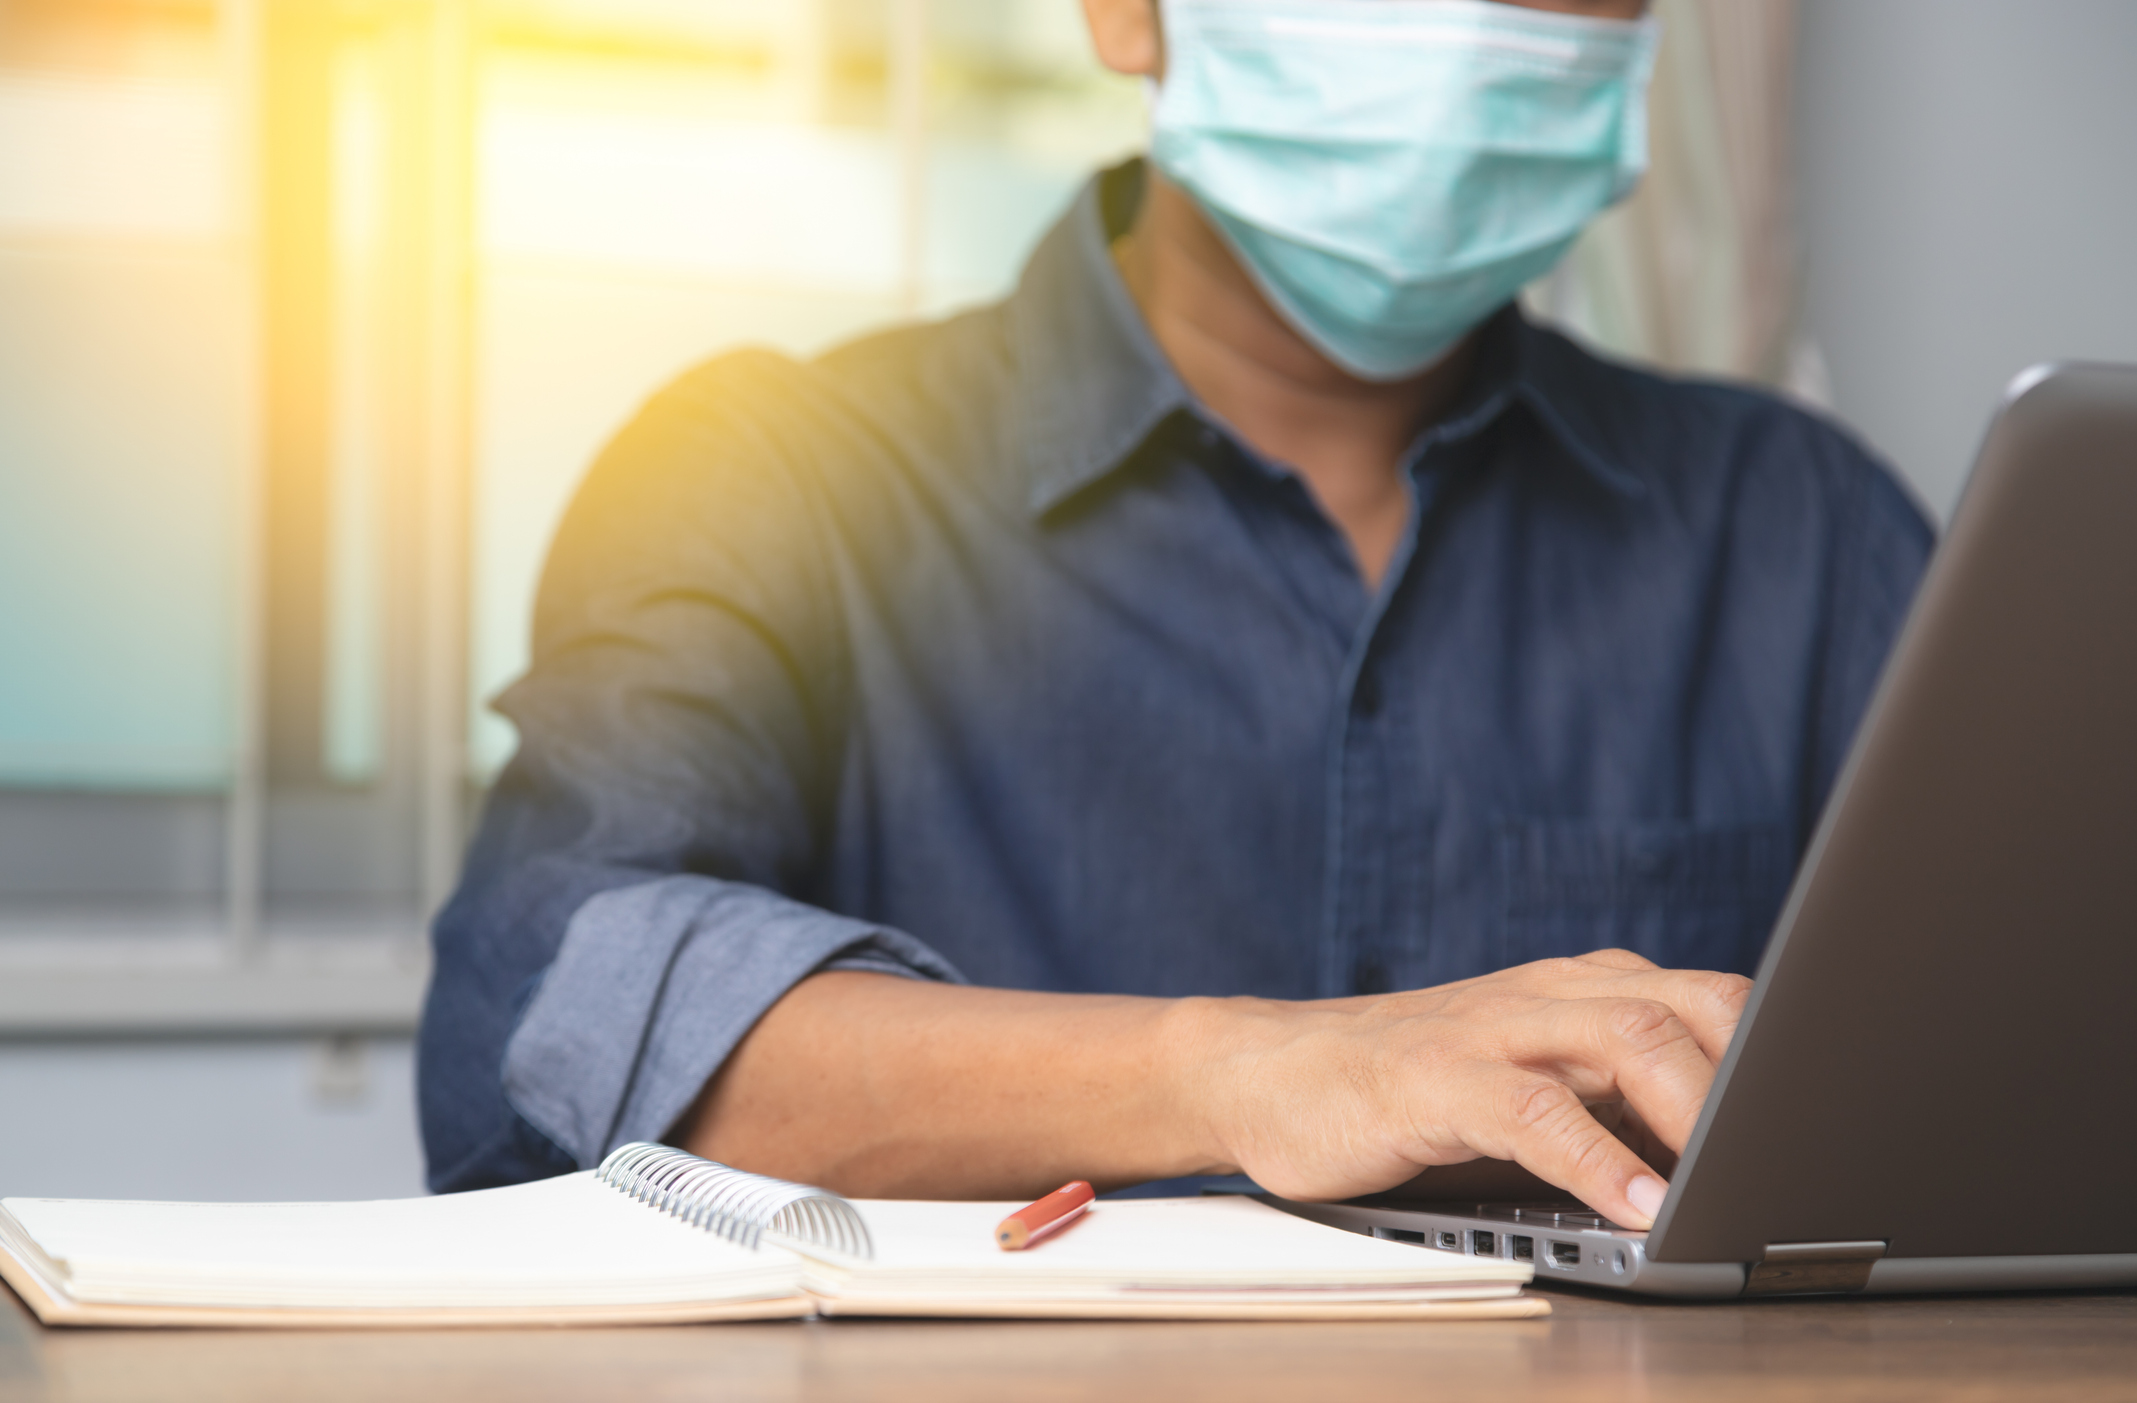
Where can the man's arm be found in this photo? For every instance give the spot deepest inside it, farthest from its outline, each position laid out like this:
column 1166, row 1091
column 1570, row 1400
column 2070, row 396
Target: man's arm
column 624, row 916
column 876, row 1085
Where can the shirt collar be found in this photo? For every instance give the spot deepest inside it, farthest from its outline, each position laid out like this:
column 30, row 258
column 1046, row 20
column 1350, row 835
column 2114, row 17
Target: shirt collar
column 1092, row 383
column 1520, row 363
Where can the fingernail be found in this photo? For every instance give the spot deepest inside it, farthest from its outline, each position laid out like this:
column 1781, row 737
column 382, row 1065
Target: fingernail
column 1645, row 1193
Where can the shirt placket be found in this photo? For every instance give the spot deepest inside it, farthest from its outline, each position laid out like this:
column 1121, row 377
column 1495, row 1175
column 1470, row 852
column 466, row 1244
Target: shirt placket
column 1379, row 832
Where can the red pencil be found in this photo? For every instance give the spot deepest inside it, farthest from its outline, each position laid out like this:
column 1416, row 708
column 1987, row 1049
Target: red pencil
column 1045, row 1218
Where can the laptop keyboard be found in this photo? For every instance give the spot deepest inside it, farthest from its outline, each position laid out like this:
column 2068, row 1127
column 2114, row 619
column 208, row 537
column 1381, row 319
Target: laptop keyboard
column 1562, row 1213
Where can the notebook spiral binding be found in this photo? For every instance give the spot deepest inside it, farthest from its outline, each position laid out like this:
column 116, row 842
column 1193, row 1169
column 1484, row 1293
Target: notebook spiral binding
column 733, row 1203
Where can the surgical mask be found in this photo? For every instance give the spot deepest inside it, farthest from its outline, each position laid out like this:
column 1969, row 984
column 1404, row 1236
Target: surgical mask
column 1393, row 171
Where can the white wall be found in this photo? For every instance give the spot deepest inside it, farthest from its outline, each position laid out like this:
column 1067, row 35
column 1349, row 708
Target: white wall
column 1969, row 174
column 260, row 1119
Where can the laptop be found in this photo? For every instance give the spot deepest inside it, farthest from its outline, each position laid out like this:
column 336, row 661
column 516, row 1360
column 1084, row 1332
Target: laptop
column 1934, row 1087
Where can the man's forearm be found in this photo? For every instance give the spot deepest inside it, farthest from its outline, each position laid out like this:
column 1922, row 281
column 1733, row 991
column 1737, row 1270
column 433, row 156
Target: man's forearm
column 880, row 1086
column 884, row 1087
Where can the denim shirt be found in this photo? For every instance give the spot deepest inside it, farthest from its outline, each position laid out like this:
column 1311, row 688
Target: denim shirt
column 980, row 651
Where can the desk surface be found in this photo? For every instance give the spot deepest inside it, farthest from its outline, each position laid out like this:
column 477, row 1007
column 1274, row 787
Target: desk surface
column 1833, row 1351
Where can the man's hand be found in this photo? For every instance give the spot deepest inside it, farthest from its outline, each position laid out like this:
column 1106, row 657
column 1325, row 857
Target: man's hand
column 886, row 1087
column 1344, row 1097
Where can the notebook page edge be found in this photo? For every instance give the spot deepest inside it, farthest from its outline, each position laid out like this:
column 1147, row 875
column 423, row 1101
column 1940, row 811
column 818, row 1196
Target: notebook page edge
column 948, row 1247
column 29, row 1272
column 179, row 1279
column 1517, row 1307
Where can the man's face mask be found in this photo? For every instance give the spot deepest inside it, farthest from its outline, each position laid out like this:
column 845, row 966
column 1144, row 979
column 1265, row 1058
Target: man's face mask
column 1393, row 171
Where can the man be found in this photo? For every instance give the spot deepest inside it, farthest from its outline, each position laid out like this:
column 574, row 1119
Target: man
column 1223, row 709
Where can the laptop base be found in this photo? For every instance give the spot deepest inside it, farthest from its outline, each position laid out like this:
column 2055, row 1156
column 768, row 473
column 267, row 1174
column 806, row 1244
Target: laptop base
column 1574, row 1253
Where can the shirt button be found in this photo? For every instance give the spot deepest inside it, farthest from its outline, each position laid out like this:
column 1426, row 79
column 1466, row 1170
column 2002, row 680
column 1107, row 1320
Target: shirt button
column 1365, row 697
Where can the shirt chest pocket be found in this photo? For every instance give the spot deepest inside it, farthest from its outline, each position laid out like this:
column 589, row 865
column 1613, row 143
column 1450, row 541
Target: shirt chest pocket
column 1685, row 895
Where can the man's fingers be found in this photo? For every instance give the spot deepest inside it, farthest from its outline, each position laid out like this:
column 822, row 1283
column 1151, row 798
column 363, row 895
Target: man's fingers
column 1710, row 1004
column 1617, row 959
column 1504, row 1066
column 1637, row 1050
column 1638, row 1137
column 1543, row 1125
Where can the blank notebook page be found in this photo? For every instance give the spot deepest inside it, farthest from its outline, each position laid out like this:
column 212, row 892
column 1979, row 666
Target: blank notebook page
column 1191, row 1244
column 562, row 1241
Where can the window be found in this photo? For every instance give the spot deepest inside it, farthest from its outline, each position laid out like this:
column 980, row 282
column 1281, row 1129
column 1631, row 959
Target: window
column 316, row 313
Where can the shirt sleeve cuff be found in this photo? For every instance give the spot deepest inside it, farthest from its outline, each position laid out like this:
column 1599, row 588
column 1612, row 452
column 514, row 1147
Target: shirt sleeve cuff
column 653, row 987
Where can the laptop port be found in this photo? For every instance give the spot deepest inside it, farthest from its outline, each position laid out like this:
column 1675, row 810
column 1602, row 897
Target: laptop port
column 1565, row 1254
column 1452, row 1242
column 1399, row 1235
column 1484, row 1244
column 1524, row 1247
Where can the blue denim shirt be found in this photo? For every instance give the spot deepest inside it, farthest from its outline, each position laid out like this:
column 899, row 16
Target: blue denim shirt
column 980, row 651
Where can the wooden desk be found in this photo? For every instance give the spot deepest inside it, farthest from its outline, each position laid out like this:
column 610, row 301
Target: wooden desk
column 1832, row 1351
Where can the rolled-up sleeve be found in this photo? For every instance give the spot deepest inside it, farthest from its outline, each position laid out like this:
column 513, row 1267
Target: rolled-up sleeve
column 652, row 988
column 635, row 898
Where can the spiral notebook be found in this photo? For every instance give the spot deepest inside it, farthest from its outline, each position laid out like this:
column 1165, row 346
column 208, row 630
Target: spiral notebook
column 658, row 1236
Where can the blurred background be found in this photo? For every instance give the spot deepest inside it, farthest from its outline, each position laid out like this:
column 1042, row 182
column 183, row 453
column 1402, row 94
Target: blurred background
column 313, row 311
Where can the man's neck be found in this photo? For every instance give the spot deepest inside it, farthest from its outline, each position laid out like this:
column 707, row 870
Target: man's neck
column 1344, row 436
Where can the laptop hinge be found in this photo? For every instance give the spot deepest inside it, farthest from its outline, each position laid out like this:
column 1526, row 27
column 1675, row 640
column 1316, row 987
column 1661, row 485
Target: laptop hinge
column 1790, row 1268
